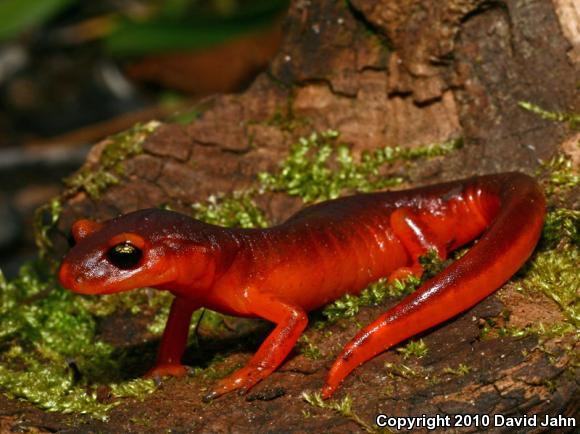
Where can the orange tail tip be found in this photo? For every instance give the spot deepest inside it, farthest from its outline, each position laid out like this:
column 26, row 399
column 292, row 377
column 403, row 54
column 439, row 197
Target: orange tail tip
column 328, row 391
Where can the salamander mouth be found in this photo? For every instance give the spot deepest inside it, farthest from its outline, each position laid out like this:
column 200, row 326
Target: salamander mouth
column 64, row 276
column 77, row 284
column 68, row 281
column 93, row 283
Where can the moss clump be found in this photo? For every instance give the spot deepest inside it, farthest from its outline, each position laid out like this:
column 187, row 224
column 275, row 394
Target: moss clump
column 553, row 271
column 555, row 274
column 416, row 349
column 287, row 121
column 45, row 219
column 51, row 356
column 342, row 407
column 573, row 119
column 50, row 386
column 460, row 371
column 349, row 305
column 308, row 348
column 320, row 168
column 403, row 371
column 117, row 149
column 235, row 210
column 558, row 175
column 561, row 226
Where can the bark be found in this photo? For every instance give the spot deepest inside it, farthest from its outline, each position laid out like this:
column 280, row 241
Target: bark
column 381, row 73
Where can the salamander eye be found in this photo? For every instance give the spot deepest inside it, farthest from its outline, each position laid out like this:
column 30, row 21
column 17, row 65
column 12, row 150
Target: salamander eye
column 124, row 255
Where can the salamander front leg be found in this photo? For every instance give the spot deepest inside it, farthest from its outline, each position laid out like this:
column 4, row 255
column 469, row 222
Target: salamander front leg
column 291, row 322
column 174, row 340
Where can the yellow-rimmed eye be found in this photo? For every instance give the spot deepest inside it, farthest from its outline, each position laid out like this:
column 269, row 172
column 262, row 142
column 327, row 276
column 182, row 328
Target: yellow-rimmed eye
column 124, row 255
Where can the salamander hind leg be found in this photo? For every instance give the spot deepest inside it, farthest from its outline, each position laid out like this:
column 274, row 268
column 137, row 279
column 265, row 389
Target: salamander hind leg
column 418, row 239
column 414, row 232
column 290, row 323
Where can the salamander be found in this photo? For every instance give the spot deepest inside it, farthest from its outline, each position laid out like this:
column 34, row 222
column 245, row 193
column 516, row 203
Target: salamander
column 319, row 254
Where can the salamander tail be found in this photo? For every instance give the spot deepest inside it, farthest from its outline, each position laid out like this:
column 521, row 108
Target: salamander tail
column 514, row 229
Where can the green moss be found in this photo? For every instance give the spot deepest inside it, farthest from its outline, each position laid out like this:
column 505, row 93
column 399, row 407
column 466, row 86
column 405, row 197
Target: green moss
column 573, row 119
column 45, row 220
column 460, row 371
column 51, row 357
column 558, row 175
column 287, row 121
column 51, row 387
column 342, row 407
column 308, row 348
column 319, row 168
column 349, row 305
column 492, row 330
column 555, row 274
column 432, row 264
column 416, row 349
column 561, row 225
column 553, row 270
column 237, row 209
column 117, row 149
column 403, row 371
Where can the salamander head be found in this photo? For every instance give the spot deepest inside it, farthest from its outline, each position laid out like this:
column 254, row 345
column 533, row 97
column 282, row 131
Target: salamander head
column 143, row 248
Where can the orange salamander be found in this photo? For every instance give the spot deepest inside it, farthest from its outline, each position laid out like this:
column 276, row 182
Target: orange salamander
column 316, row 256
